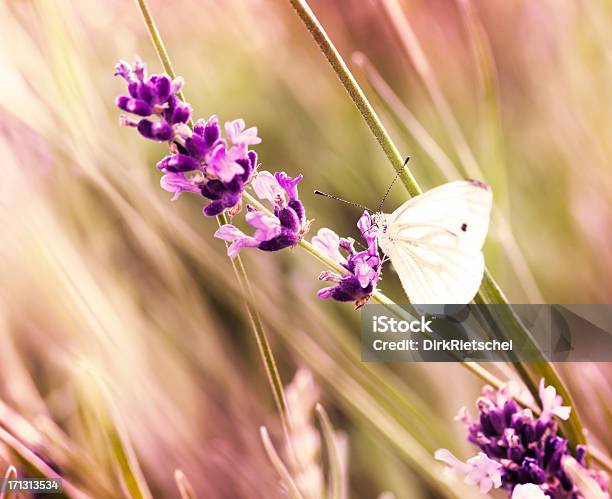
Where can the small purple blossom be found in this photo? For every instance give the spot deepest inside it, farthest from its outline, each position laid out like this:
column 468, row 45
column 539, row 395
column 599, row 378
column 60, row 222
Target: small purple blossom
column 552, row 404
column 478, row 470
column 200, row 160
column 527, row 449
column 273, row 233
column 363, row 267
column 223, row 162
column 179, row 182
column 240, row 136
column 226, row 169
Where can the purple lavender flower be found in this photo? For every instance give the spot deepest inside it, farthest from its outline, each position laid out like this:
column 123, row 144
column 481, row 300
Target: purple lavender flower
column 363, row 267
column 273, row 233
column 152, row 96
column 526, row 449
column 200, row 160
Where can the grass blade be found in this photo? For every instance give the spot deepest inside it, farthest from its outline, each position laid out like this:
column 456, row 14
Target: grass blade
column 123, row 457
column 185, row 488
column 30, row 457
column 278, row 464
column 336, row 480
column 586, row 485
column 11, row 471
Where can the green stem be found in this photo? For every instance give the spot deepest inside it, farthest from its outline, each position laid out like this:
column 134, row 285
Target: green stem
column 263, row 345
column 359, row 98
column 490, row 292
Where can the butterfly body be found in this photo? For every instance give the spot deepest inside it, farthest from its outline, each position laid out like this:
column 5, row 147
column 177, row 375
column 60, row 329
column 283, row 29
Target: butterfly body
column 435, row 241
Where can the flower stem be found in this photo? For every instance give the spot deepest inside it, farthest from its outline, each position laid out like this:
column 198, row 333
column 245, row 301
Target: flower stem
column 489, row 293
column 359, row 98
column 263, row 345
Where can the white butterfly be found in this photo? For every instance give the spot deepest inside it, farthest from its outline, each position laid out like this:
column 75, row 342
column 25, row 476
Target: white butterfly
column 435, row 240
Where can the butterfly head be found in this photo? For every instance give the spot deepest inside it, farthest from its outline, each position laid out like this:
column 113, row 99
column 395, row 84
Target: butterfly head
column 380, row 224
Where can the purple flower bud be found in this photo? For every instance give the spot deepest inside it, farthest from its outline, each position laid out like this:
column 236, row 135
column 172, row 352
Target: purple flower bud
column 286, row 239
column 348, row 289
column 289, row 219
column 249, row 164
column 134, row 106
column 210, row 130
column 159, row 131
column 178, row 163
column 181, row 113
column 220, row 205
column 226, row 195
column 160, row 86
column 510, row 409
column 197, row 146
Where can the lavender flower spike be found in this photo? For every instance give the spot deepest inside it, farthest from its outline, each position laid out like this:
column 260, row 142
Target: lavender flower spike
column 285, row 229
column 530, row 454
column 363, row 268
column 200, row 160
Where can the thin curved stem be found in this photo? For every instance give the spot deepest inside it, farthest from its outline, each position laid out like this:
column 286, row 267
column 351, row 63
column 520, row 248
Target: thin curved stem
column 263, row 345
column 359, row 98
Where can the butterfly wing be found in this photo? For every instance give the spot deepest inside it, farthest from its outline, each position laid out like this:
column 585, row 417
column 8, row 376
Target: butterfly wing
column 435, row 242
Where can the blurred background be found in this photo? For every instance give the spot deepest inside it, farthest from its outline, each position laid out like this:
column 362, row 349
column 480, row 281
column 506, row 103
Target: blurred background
column 120, row 317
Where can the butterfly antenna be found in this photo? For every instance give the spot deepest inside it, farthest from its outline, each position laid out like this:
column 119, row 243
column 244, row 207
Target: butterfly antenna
column 325, row 195
column 397, row 174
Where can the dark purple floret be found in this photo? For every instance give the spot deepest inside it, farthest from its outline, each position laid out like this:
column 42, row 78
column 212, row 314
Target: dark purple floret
column 159, row 131
column 363, row 267
column 178, row 163
column 134, row 106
